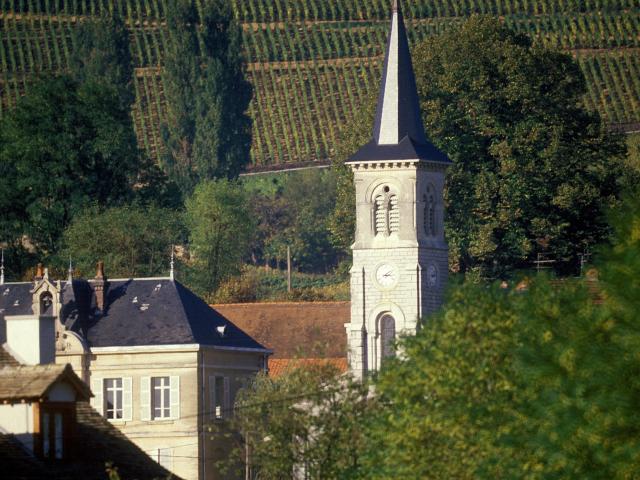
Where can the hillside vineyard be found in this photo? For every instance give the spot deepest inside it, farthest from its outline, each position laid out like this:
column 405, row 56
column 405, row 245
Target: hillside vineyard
column 314, row 62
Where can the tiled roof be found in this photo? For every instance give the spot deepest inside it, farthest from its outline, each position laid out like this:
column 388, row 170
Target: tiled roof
column 6, row 359
column 137, row 312
column 29, row 383
column 280, row 366
column 294, row 330
column 96, row 443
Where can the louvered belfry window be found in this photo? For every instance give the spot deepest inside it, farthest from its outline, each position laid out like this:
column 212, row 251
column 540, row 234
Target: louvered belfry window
column 430, row 212
column 394, row 214
column 387, row 213
column 381, row 215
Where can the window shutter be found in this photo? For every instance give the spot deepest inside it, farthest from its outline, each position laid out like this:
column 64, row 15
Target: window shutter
column 174, row 381
column 127, row 413
column 227, row 399
column 96, row 389
column 145, row 398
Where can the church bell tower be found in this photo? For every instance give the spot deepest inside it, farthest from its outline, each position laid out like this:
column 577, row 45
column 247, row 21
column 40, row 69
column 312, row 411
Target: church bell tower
column 400, row 253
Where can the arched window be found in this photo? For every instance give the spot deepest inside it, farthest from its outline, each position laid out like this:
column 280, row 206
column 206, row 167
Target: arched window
column 430, row 211
column 387, row 336
column 386, row 212
column 46, row 303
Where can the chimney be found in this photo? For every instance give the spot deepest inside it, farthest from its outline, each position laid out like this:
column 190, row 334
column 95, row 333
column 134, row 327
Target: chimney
column 39, row 272
column 100, row 286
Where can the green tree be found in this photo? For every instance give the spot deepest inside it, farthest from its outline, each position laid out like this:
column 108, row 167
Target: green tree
column 208, row 132
column 535, row 383
column 292, row 211
column 533, row 169
column 580, row 366
column 446, row 398
column 101, row 54
column 309, row 418
column 220, row 232
column 62, row 148
column 133, row 241
column 101, row 59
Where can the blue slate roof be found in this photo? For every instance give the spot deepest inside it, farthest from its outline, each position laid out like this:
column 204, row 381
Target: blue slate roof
column 137, row 312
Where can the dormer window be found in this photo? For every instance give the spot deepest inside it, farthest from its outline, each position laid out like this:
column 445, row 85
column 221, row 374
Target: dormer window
column 46, row 303
column 386, row 212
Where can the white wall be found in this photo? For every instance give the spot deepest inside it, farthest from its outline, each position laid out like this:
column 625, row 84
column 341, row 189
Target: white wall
column 18, row 420
column 32, row 339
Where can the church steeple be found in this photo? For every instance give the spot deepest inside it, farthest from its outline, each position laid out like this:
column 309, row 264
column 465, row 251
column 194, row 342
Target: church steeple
column 398, row 113
column 398, row 132
column 400, row 253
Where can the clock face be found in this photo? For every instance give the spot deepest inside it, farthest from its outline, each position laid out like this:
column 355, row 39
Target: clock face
column 432, row 275
column 386, row 275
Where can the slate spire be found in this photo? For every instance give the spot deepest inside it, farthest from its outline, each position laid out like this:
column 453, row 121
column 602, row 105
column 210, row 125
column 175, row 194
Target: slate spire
column 398, row 113
column 398, row 131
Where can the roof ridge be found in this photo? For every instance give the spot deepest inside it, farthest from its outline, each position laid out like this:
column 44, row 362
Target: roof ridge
column 319, row 302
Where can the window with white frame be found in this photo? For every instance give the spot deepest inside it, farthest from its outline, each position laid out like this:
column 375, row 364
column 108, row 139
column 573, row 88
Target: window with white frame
column 161, row 397
column 113, row 398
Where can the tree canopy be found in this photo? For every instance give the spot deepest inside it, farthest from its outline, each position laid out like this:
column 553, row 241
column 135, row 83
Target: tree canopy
column 533, row 169
column 64, row 147
column 309, row 421
column 220, row 231
column 207, row 134
column 531, row 382
column 69, row 142
column 133, row 241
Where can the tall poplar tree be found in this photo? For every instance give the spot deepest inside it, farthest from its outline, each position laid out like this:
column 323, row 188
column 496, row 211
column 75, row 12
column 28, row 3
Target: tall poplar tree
column 207, row 134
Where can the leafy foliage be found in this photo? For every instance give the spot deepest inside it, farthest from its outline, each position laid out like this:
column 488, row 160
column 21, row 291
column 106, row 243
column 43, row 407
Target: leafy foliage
column 533, row 170
column 207, row 134
column 456, row 392
column 132, row 241
column 64, row 147
column 306, row 420
column 294, row 214
column 220, row 233
column 102, row 55
column 524, row 383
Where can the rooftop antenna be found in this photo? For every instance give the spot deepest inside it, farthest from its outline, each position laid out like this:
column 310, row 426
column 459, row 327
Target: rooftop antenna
column 171, row 271
column 2, row 268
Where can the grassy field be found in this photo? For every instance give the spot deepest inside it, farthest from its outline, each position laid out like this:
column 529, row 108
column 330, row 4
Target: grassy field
column 313, row 62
